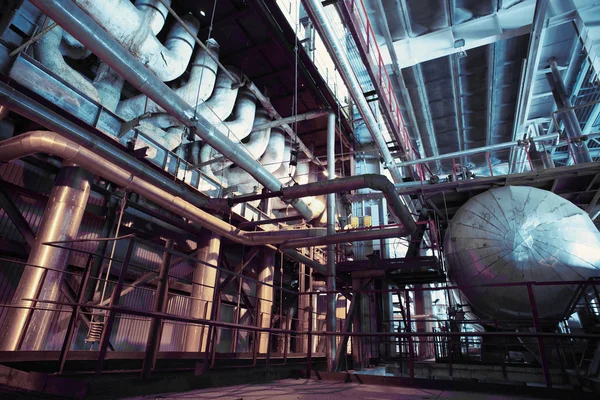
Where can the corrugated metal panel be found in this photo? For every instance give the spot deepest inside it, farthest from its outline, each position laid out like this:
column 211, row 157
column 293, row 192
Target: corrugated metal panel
column 10, row 273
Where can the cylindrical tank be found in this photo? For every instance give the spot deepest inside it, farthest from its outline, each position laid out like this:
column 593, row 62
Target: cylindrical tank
column 520, row 234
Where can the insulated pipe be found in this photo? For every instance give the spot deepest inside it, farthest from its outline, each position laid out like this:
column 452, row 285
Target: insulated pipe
column 316, row 11
column 109, row 85
column 479, row 150
column 82, row 27
column 346, row 237
column 61, row 221
column 204, row 282
column 197, row 89
column 127, row 25
column 47, row 51
column 258, row 140
column 290, row 120
column 372, row 181
column 53, row 144
column 156, row 13
column 331, row 296
column 568, row 118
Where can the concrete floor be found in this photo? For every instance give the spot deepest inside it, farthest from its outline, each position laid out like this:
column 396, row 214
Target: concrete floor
column 294, row 389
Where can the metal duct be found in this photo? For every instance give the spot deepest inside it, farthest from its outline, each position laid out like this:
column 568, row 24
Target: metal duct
column 47, row 51
column 53, row 144
column 109, row 85
column 372, row 181
column 197, row 89
column 520, row 234
column 82, row 27
column 128, row 26
column 61, row 221
column 315, row 10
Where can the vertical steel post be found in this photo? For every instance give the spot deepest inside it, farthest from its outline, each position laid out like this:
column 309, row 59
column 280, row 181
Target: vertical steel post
column 331, row 296
column 540, row 340
column 265, row 295
column 61, row 221
column 309, row 338
column 581, row 153
column 411, row 350
column 62, row 358
column 160, row 305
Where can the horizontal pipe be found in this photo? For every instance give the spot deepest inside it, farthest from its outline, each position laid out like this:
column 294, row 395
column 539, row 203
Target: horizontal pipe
column 293, row 119
column 54, row 144
column 478, row 150
column 75, row 21
column 254, row 224
column 372, row 181
column 349, row 237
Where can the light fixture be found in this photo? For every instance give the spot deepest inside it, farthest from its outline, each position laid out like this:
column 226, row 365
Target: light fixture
column 202, row 13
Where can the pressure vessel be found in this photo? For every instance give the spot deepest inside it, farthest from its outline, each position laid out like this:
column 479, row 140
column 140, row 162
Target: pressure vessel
column 520, row 234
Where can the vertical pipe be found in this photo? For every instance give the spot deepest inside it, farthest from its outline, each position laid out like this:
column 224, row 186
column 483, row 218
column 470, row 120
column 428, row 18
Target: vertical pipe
column 411, row 350
column 160, row 305
column 204, row 281
column 264, row 295
column 331, row 296
column 568, row 118
column 61, row 221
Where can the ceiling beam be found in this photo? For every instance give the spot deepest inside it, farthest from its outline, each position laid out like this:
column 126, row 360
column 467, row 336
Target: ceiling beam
column 502, row 25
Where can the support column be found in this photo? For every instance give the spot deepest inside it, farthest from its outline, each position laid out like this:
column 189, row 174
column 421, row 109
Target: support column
column 161, row 299
column 331, row 297
column 303, row 307
column 568, row 118
column 203, row 289
column 264, row 295
column 61, row 221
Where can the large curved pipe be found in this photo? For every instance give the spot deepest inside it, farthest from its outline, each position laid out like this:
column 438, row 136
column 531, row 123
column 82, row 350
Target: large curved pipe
column 257, row 142
column 53, row 144
column 47, row 51
column 129, row 26
column 84, row 29
column 197, row 89
column 156, row 13
column 372, row 181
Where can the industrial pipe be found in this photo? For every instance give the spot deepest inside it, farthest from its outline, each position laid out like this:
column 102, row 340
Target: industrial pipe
column 83, row 28
column 372, row 181
column 53, row 144
column 479, row 150
column 127, row 25
column 292, row 119
column 581, row 154
column 316, row 11
column 331, row 297
column 61, row 221
column 197, row 89
column 346, row 237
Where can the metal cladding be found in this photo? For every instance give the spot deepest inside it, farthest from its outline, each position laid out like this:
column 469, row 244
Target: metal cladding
column 520, row 234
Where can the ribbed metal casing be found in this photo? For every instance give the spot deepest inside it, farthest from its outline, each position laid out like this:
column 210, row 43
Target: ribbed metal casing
column 520, row 234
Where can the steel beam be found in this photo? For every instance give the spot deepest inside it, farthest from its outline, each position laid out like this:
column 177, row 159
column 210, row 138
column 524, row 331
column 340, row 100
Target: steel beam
column 11, row 209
